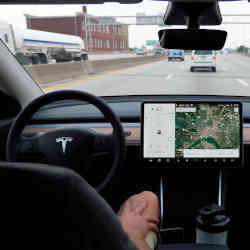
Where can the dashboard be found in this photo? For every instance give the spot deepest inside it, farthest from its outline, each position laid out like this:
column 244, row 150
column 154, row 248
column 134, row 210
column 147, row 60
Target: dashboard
column 76, row 114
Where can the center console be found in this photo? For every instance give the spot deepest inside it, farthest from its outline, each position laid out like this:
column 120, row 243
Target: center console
column 194, row 143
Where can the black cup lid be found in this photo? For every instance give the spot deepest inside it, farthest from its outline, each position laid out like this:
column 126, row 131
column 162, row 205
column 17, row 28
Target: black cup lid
column 212, row 219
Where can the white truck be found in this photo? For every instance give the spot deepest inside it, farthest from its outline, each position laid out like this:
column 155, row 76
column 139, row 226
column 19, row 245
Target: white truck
column 34, row 47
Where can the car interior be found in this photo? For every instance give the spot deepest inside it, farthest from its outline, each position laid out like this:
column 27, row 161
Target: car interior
column 69, row 158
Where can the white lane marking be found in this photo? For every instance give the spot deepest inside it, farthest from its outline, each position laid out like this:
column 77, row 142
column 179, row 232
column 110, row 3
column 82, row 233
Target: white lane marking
column 169, row 76
column 242, row 82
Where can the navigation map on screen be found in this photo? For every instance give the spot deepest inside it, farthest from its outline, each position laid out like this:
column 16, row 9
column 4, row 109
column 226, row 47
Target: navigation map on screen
column 191, row 130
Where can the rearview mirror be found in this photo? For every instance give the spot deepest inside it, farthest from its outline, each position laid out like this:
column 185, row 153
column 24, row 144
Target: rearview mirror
column 192, row 39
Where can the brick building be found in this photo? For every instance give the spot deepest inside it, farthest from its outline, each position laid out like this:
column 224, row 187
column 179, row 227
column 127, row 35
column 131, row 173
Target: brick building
column 102, row 33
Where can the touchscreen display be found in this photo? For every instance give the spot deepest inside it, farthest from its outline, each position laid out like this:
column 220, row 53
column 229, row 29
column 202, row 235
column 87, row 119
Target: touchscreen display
column 191, row 130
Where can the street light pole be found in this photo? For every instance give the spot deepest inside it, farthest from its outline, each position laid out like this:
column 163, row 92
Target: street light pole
column 86, row 31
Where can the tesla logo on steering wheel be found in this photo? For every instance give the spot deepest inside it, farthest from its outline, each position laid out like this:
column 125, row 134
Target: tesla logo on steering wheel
column 63, row 141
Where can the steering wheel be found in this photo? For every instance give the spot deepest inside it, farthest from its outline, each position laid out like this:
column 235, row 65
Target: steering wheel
column 68, row 147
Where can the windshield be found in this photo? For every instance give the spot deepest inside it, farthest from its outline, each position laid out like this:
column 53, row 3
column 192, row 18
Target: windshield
column 112, row 49
column 203, row 52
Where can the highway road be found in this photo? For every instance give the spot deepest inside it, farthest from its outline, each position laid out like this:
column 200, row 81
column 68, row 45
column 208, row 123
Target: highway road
column 163, row 77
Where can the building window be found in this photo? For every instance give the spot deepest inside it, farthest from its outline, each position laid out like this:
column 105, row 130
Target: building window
column 107, row 44
column 107, row 28
column 91, row 43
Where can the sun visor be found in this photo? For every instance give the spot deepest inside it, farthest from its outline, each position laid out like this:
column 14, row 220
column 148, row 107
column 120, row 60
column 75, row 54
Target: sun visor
column 200, row 39
column 179, row 13
column 68, row 1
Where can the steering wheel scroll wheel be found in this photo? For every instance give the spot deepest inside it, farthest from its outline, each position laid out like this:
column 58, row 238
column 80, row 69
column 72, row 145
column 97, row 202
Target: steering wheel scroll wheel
column 69, row 147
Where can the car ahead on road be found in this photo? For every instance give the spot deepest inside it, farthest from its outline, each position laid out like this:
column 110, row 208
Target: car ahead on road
column 159, row 51
column 203, row 60
column 175, row 55
column 141, row 52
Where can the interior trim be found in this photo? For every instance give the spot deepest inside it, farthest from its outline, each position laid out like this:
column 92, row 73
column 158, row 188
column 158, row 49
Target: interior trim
column 133, row 130
column 220, row 188
column 161, row 202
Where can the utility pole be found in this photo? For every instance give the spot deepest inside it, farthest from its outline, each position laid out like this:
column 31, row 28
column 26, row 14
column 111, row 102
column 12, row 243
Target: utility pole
column 86, row 32
column 86, row 27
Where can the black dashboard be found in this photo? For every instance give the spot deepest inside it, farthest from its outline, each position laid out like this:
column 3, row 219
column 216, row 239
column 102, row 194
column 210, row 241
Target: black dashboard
column 128, row 108
column 78, row 114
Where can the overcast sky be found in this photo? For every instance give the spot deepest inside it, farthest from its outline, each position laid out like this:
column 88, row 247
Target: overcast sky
column 237, row 34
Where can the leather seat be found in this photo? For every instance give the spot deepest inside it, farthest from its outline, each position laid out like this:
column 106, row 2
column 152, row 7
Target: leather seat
column 53, row 208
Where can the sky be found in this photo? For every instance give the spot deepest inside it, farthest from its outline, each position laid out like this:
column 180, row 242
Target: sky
column 237, row 34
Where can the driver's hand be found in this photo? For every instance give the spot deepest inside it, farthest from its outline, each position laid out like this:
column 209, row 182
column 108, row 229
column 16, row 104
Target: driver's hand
column 135, row 223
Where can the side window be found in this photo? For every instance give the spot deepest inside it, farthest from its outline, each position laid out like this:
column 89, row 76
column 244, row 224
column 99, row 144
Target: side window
column 6, row 38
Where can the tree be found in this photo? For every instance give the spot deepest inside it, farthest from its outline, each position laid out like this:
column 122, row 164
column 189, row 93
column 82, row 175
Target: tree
column 242, row 49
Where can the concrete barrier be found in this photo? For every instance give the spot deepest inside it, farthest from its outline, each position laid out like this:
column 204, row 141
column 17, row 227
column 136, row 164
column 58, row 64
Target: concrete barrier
column 46, row 73
column 115, row 64
column 51, row 73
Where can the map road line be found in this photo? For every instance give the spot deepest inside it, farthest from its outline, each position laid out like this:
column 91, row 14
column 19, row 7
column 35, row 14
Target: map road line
column 242, row 82
column 168, row 77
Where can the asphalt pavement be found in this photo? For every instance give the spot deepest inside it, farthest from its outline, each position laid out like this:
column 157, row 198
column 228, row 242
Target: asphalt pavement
column 163, row 77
